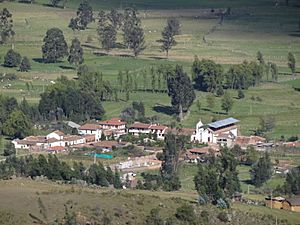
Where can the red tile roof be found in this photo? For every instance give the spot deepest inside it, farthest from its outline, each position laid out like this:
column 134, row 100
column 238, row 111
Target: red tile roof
column 158, row 127
column 52, row 140
column 106, row 144
column 183, row 131
column 58, row 132
column 112, row 122
column 89, row 126
column 139, row 125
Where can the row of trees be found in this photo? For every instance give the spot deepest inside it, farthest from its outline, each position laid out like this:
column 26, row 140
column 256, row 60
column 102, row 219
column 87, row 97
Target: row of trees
column 54, row 169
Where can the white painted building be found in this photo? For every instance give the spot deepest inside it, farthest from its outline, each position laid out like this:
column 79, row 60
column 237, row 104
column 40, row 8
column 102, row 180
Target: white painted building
column 138, row 128
column 223, row 132
column 88, row 129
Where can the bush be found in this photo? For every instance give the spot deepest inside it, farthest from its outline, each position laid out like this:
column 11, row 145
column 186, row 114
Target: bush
column 186, row 213
column 25, row 65
column 220, row 91
column 222, row 216
column 293, row 139
column 241, row 94
column 12, row 59
column 221, row 204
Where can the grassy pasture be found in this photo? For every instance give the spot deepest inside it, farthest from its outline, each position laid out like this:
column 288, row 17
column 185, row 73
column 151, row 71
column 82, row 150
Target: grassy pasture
column 20, row 197
column 253, row 26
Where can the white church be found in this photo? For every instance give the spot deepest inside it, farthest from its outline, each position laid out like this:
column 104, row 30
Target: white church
column 223, row 132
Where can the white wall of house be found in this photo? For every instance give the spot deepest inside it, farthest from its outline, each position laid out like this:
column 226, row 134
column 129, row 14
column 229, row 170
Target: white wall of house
column 20, row 145
column 54, row 135
column 136, row 131
column 97, row 133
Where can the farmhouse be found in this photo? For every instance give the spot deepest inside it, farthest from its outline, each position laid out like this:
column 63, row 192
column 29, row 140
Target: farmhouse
column 223, row 132
column 115, row 125
column 138, row 128
column 89, row 128
column 292, row 204
column 275, row 202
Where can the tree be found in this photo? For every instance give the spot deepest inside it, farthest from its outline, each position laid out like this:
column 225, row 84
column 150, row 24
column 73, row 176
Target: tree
column 84, row 14
column 292, row 63
column 54, row 3
column 25, row 65
column 262, row 170
column 108, row 37
column 260, row 58
column 251, row 155
column 207, row 75
column 6, row 26
column 117, row 181
column 17, row 125
column 154, row 218
column 241, row 94
column 210, row 99
column 227, row 102
column 12, row 59
column 74, row 24
column 180, row 89
column 115, row 18
column 132, row 31
column 136, row 40
column 9, row 149
column 274, row 72
column 76, row 53
column 267, row 123
column 186, row 213
column 292, row 182
column 168, row 40
column 55, row 46
column 174, row 145
column 218, row 178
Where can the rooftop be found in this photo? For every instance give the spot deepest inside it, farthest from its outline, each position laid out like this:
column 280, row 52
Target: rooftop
column 222, row 123
column 139, row 125
column 294, row 201
column 89, row 126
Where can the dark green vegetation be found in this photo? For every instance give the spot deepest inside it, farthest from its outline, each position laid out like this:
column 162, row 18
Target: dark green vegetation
column 56, row 170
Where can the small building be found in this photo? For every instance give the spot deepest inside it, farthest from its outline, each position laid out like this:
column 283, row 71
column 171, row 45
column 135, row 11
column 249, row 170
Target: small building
column 115, row 125
column 275, row 202
column 292, row 204
column 89, row 128
column 138, row 128
column 57, row 134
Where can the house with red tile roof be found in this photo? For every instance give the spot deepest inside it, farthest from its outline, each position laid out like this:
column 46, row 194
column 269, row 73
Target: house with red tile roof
column 138, row 128
column 114, row 126
column 89, row 128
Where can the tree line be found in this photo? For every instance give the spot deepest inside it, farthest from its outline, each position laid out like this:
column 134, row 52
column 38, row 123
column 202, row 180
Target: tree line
column 55, row 169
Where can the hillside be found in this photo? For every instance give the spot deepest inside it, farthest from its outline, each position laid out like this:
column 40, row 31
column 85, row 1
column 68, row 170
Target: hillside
column 253, row 26
column 21, row 197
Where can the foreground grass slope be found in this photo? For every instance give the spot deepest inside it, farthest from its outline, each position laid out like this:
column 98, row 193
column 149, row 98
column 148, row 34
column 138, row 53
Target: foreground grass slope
column 20, row 197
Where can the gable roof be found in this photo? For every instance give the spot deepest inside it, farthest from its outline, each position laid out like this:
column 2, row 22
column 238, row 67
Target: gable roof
column 294, row 201
column 139, row 125
column 89, row 126
column 58, row 132
column 112, row 122
column 222, row 123
column 158, row 127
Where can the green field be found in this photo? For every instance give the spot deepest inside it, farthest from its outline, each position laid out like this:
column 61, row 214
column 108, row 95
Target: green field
column 253, row 26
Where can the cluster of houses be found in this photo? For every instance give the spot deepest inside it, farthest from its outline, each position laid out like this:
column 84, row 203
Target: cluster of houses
column 215, row 134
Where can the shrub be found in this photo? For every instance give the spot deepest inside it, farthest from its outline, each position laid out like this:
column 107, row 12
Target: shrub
column 241, row 94
column 222, row 216
column 12, row 59
column 25, row 65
